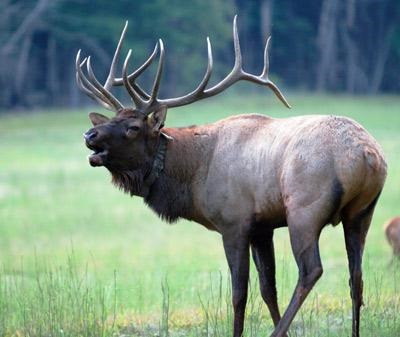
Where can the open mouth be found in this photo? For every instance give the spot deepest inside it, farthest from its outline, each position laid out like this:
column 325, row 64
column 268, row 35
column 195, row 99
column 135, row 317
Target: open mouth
column 97, row 158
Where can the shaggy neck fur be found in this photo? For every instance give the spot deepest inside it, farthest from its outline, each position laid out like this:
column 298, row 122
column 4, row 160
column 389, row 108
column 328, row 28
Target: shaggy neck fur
column 170, row 194
column 129, row 181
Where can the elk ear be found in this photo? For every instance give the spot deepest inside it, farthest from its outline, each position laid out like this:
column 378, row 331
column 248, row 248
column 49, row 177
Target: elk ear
column 97, row 118
column 157, row 119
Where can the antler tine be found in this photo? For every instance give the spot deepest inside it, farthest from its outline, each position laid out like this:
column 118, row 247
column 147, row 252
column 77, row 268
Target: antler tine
column 238, row 54
column 139, row 102
column 140, row 70
column 91, row 95
column 157, row 80
column 114, row 102
column 111, row 75
column 92, row 87
column 265, row 71
column 113, row 81
column 237, row 71
column 263, row 78
column 207, row 75
column 278, row 93
column 186, row 99
column 87, row 87
column 132, row 77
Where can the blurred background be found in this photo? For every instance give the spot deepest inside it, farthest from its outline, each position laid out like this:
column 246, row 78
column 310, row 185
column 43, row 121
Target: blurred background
column 80, row 258
column 348, row 46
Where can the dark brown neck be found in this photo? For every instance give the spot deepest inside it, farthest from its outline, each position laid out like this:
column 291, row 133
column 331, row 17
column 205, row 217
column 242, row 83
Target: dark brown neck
column 170, row 195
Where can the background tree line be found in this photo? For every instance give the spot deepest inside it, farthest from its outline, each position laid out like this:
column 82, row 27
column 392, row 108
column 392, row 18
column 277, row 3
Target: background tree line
column 350, row 46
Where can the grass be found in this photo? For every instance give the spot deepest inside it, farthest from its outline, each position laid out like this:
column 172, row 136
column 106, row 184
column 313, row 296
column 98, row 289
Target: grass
column 52, row 203
column 56, row 302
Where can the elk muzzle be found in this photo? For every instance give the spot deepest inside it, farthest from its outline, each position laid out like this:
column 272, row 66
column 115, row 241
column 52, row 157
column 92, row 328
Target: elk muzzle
column 90, row 135
column 98, row 157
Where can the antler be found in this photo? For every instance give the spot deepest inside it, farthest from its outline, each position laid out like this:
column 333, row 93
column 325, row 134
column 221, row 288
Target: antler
column 102, row 94
column 143, row 102
column 92, row 86
column 235, row 75
column 148, row 103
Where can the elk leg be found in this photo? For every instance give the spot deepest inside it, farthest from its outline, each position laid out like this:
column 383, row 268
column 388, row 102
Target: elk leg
column 304, row 241
column 237, row 254
column 262, row 248
column 355, row 232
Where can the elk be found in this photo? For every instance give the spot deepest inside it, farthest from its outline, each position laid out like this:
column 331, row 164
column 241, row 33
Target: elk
column 242, row 176
column 392, row 231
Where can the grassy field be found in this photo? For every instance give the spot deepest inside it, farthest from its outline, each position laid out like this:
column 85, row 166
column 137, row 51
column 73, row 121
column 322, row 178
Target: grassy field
column 79, row 258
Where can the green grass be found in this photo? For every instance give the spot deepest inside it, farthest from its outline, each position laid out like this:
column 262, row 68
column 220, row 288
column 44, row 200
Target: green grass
column 52, row 203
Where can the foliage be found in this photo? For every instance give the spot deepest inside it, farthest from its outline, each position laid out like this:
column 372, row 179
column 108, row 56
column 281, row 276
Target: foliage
column 334, row 45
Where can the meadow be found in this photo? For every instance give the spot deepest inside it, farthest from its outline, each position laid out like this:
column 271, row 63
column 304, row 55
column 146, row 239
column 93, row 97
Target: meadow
column 80, row 258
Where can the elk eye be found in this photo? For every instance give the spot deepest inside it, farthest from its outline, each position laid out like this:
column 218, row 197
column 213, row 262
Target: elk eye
column 131, row 131
column 133, row 128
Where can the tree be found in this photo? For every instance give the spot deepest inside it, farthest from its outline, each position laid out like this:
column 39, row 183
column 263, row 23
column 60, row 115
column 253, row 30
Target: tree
column 16, row 48
column 346, row 33
column 328, row 45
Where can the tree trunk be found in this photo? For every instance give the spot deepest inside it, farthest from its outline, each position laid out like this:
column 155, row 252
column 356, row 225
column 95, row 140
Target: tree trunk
column 385, row 28
column 20, row 85
column 25, row 27
column 266, row 10
column 53, row 87
column 326, row 42
column 74, row 93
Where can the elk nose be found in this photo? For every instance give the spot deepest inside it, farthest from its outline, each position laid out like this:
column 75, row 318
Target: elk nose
column 90, row 135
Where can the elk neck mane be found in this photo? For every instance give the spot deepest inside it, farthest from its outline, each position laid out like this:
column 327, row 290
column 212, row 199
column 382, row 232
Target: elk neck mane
column 169, row 195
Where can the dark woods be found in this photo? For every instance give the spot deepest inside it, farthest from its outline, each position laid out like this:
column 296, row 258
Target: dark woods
column 348, row 46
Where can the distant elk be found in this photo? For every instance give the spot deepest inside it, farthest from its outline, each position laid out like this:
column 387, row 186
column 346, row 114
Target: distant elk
column 243, row 176
column 392, row 231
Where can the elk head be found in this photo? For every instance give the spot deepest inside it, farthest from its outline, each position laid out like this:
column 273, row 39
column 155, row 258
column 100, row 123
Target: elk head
column 131, row 139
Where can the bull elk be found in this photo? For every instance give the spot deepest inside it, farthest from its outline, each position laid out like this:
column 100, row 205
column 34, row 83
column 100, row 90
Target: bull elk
column 243, row 176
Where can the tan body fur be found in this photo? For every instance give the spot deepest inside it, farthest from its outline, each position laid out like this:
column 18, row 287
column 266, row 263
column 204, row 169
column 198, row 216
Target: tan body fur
column 246, row 175
column 392, row 231
column 253, row 168
column 249, row 174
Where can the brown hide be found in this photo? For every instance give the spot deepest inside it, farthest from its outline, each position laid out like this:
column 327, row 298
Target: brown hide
column 243, row 176
column 246, row 175
column 392, row 231
column 252, row 168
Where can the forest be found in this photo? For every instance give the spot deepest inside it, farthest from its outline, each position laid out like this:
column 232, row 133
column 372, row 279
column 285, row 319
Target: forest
column 340, row 46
